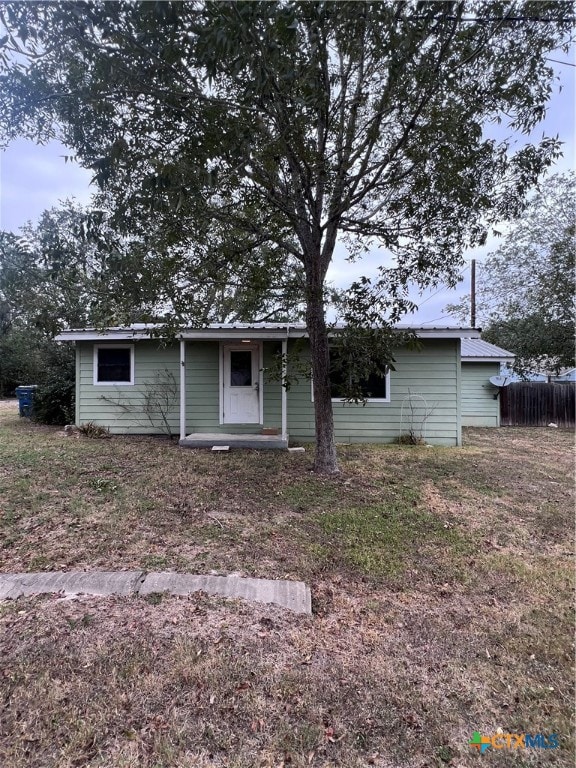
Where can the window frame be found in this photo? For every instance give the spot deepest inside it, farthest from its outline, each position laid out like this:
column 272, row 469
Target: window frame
column 97, row 348
column 368, row 401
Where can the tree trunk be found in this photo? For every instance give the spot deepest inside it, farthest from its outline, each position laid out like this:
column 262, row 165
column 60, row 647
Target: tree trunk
column 325, row 461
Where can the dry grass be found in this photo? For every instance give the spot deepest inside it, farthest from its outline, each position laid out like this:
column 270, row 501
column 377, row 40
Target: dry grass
column 441, row 581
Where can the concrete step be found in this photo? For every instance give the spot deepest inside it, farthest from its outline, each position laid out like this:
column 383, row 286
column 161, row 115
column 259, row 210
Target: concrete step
column 256, row 442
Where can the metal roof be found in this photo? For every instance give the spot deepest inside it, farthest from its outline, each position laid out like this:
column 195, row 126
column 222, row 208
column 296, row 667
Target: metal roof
column 235, row 330
column 476, row 350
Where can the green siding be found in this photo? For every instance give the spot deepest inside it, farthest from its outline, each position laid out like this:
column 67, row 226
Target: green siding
column 120, row 408
column 432, row 372
column 479, row 408
column 203, row 390
column 459, row 392
column 77, row 389
column 202, row 382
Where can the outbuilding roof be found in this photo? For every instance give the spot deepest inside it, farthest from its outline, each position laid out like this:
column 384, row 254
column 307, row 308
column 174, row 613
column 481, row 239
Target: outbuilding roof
column 475, row 350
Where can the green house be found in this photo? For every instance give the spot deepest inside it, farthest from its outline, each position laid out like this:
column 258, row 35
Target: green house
column 481, row 362
column 215, row 386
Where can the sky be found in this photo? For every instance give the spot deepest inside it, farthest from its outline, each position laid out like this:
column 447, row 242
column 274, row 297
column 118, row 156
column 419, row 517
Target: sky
column 36, row 177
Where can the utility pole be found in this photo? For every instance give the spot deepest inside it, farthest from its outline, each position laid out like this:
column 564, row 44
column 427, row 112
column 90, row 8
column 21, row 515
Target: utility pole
column 473, row 294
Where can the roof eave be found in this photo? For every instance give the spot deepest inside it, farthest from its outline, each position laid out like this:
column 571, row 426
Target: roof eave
column 500, row 359
column 128, row 334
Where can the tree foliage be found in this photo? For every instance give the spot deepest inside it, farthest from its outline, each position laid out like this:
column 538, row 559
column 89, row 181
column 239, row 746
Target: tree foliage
column 35, row 301
column 525, row 289
column 296, row 124
column 68, row 270
column 51, row 277
column 55, row 397
column 50, row 272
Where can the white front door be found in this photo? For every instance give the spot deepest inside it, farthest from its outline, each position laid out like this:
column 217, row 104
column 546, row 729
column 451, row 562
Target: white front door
column 241, row 384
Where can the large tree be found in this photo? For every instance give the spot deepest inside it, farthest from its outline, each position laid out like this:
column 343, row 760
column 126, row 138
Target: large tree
column 298, row 124
column 525, row 288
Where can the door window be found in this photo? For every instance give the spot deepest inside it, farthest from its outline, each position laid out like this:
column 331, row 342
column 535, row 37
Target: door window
column 240, row 368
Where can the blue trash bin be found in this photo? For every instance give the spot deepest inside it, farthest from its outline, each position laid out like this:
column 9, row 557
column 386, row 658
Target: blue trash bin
column 25, row 395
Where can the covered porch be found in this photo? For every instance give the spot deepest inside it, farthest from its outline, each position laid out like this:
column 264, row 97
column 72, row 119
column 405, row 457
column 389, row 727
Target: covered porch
column 226, row 397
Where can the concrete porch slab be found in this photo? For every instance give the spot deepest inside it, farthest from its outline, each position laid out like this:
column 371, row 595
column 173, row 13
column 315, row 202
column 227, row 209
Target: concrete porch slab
column 256, row 442
column 97, row 583
column 294, row 595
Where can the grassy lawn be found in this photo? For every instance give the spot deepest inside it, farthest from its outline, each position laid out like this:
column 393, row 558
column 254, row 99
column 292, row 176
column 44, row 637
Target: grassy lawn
column 442, row 590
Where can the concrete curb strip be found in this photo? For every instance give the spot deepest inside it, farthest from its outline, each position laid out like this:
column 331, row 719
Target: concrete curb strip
column 99, row 583
column 294, row 595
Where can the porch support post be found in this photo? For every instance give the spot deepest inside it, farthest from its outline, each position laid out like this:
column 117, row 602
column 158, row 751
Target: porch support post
column 182, row 389
column 284, row 392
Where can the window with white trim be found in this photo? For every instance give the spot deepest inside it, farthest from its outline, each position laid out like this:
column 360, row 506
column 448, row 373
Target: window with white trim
column 374, row 389
column 114, row 364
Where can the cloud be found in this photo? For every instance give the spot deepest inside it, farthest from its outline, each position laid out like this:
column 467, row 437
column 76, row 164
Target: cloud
column 34, row 178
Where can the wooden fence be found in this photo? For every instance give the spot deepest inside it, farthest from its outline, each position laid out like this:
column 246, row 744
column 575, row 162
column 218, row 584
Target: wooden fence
column 535, row 404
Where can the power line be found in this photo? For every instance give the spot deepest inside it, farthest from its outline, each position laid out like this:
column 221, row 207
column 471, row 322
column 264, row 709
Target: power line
column 489, row 19
column 427, row 322
column 557, row 61
column 441, row 289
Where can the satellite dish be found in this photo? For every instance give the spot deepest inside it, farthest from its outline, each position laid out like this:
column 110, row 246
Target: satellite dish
column 500, row 381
